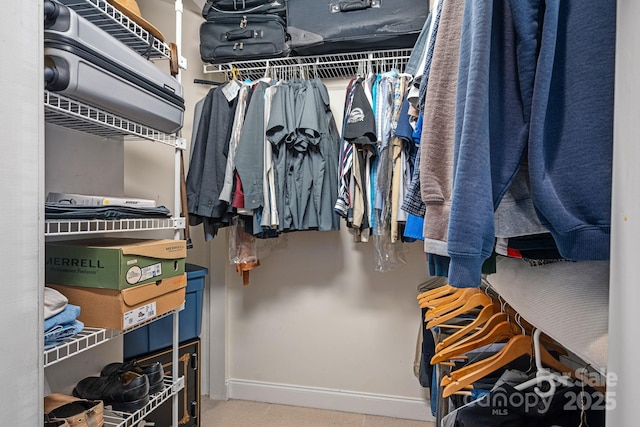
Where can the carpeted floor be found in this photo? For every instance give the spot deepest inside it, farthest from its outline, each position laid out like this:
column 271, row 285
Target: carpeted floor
column 240, row 413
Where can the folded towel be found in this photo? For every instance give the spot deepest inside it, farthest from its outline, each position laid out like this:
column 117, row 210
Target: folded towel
column 59, row 333
column 68, row 315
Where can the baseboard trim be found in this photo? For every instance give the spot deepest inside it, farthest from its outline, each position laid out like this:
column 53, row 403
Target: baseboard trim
column 336, row 400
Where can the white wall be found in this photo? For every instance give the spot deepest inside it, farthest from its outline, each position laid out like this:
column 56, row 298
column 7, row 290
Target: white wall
column 21, row 183
column 317, row 326
column 317, row 315
column 624, row 284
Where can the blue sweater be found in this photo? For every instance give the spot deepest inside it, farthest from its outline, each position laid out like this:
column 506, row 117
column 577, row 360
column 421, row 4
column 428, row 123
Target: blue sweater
column 535, row 84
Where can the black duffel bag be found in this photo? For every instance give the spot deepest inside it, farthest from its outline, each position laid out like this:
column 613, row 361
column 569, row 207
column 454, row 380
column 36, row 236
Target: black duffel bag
column 236, row 37
column 333, row 26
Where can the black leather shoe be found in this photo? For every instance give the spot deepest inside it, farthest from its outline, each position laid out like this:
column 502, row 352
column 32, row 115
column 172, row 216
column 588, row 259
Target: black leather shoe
column 127, row 392
column 153, row 371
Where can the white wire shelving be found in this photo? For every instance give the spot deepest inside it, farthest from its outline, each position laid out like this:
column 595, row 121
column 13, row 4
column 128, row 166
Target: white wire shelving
column 59, row 227
column 332, row 66
column 70, row 113
column 89, row 338
column 111, row 20
column 123, row 419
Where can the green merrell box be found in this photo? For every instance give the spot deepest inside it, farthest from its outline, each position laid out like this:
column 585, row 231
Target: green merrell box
column 113, row 263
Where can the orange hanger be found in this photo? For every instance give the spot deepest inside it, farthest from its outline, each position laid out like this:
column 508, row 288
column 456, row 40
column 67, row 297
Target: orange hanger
column 461, row 298
column 437, row 292
column 440, row 300
column 476, row 300
column 485, row 329
column 500, row 332
column 485, row 314
column 518, row 345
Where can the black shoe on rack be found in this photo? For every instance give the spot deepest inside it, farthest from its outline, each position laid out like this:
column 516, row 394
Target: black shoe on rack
column 153, row 371
column 127, row 391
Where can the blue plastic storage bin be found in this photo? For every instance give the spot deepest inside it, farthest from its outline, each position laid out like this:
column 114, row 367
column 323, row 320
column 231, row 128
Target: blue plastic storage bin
column 159, row 334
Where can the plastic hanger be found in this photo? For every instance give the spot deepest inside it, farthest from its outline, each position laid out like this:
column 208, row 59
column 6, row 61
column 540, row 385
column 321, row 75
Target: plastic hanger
column 542, row 374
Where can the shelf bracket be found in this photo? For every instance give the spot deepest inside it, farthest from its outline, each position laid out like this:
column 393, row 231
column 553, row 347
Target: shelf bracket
column 182, row 62
column 177, row 385
column 181, row 143
column 179, row 223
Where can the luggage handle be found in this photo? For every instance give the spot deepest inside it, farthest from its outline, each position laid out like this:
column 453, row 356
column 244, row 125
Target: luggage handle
column 350, row 5
column 241, row 34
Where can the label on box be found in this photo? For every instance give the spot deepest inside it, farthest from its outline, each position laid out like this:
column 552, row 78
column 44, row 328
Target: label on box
column 137, row 274
column 140, row 314
column 151, row 271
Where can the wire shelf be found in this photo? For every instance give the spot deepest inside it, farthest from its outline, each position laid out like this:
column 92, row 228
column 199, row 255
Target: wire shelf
column 123, row 419
column 58, row 227
column 89, row 338
column 333, row 66
column 70, row 113
column 111, row 20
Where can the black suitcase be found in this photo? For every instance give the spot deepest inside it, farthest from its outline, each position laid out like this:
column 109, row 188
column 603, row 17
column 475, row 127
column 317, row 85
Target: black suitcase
column 243, row 6
column 189, row 396
column 229, row 37
column 89, row 65
column 334, row 26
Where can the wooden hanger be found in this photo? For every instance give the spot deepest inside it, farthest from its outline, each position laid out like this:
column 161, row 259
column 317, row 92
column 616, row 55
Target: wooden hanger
column 461, row 298
column 437, row 292
column 440, row 299
column 485, row 314
column 476, row 300
column 518, row 345
column 485, row 329
column 500, row 332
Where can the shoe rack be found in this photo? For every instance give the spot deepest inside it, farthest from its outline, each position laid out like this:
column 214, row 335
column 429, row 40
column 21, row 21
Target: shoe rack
column 79, row 116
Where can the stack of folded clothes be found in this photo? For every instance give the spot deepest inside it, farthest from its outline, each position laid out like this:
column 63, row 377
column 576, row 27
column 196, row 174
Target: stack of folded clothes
column 60, row 318
column 123, row 386
column 59, row 210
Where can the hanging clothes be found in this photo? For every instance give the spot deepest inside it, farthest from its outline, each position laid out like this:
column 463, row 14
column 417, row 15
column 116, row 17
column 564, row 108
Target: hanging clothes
column 304, row 143
column 515, row 101
column 208, row 163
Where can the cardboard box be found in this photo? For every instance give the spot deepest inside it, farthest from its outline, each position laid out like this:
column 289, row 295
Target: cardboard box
column 88, row 200
column 159, row 334
column 113, row 263
column 123, row 309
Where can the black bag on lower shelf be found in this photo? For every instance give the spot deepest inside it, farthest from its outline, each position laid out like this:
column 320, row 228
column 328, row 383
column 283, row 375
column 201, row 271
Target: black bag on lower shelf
column 333, row 26
column 237, row 37
column 189, row 396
